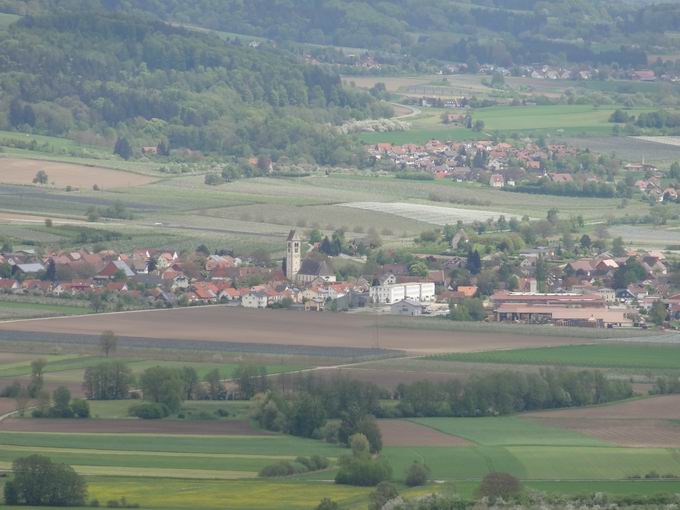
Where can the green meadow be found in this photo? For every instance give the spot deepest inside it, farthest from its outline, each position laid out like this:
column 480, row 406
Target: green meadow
column 643, row 356
column 562, row 120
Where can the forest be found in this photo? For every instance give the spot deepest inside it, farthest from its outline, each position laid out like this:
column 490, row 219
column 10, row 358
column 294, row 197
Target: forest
column 483, row 31
column 121, row 75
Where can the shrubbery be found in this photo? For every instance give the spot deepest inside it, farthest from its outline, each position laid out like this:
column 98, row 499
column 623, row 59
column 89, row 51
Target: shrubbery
column 300, row 465
column 63, row 406
column 500, row 485
column 149, row 411
column 365, row 472
column 417, row 474
column 40, row 482
column 360, row 469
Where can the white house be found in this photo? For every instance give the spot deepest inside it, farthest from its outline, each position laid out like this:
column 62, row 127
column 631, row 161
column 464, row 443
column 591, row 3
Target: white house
column 255, row 300
column 421, row 292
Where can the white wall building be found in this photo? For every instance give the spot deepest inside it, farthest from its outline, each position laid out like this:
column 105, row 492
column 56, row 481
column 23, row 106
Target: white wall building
column 422, row 292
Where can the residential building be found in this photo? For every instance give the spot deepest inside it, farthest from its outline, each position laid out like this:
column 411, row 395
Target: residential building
column 422, row 292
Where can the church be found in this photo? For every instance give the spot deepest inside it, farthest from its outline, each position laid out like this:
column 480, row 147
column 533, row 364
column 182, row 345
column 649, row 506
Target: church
column 304, row 271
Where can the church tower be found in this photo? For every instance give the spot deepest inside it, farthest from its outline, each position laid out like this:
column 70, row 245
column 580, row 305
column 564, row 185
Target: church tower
column 293, row 255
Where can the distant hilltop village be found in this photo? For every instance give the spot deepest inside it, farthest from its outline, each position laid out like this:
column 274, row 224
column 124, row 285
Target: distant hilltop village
column 585, row 285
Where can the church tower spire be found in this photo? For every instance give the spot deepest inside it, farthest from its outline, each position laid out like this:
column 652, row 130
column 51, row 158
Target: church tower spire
column 293, row 254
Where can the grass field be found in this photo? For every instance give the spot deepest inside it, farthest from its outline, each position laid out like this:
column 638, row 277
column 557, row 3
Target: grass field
column 604, row 355
column 557, row 120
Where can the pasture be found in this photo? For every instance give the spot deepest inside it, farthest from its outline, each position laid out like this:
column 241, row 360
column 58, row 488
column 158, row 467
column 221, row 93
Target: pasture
column 648, row 356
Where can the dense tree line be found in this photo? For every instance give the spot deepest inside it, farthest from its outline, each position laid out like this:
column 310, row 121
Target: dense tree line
column 509, row 392
column 510, row 32
column 161, row 85
column 571, row 189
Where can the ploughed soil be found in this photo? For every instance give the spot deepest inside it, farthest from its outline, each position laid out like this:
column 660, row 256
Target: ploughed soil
column 22, row 171
column 277, row 327
column 132, row 426
column 407, row 433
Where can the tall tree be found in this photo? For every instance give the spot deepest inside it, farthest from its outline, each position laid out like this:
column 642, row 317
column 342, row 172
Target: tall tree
column 123, row 148
column 108, row 342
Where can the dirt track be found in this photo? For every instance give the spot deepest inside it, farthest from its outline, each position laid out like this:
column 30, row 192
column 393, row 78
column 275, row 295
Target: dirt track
column 22, row 171
column 132, row 426
column 278, row 327
column 406, row 433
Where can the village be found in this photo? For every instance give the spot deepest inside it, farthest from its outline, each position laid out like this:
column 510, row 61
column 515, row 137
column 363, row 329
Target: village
column 556, row 168
column 601, row 288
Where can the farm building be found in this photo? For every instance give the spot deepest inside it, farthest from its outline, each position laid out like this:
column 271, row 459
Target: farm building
column 562, row 315
column 407, row 307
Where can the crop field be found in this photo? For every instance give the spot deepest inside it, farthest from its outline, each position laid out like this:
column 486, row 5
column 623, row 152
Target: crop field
column 630, row 148
column 649, row 356
column 515, row 432
column 540, row 449
column 265, row 329
column 22, row 171
column 435, row 215
column 237, row 494
column 402, row 190
column 407, row 433
column 182, row 212
column 323, row 217
column 647, row 236
column 123, row 425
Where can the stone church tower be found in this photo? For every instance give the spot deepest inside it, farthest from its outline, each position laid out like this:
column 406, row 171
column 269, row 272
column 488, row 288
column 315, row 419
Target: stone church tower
column 293, row 255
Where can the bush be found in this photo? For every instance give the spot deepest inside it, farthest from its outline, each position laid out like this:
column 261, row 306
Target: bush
column 284, row 468
column 327, row 504
column 363, row 472
column 384, row 492
column 500, row 485
column 301, row 465
column 417, row 474
column 313, row 463
column 149, row 411
column 80, row 408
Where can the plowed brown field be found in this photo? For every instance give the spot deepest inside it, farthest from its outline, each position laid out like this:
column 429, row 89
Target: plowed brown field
column 279, row 327
column 407, row 433
column 22, row 171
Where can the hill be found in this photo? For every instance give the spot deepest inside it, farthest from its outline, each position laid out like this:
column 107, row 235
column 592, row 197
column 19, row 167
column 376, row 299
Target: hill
column 77, row 72
column 503, row 32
